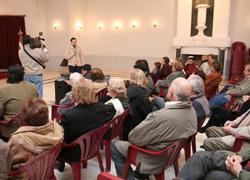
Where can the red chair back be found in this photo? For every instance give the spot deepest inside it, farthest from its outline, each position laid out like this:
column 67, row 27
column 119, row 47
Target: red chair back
column 117, row 124
column 54, row 107
column 107, row 176
column 100, row 94
column 89, row 143
column 42, row 166
column 170, row 153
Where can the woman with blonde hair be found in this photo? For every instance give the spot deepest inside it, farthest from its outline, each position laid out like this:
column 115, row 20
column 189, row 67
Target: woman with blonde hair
column 88, row 114
column 138, row 100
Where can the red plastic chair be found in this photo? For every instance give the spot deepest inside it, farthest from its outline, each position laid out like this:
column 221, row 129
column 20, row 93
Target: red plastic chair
column 191, row 141
column 89, row 144
column 101, row 93
column 116, row 125
column 54, row 107
column 15, row 119
column 171, row 152
column 239, row 140
column 41, row 167
column 107, row 176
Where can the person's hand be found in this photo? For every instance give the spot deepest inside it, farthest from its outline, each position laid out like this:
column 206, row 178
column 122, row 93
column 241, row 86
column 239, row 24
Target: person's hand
column 227, row 129
column 229, row 123
column 245, row 98
column 233, row 164
column 68, row 82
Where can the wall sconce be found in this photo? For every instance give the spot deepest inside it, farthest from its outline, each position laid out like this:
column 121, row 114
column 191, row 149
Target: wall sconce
column 56, row 26
column 117, row 25
column 79, row 26
column 100, row 26
column 134, row 24
column 155, row 24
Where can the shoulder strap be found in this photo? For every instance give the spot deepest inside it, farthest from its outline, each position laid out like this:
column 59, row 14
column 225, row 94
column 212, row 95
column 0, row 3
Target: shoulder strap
column 38, row 62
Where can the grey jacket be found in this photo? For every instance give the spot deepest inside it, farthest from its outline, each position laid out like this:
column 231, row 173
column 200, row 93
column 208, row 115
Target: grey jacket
column 175, row 121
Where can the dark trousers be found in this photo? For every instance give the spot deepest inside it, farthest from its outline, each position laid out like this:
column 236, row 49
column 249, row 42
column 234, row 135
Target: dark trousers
column 73, row 69
column 207, row 166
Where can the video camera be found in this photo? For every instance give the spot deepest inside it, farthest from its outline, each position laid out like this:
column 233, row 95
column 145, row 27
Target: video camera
column 37, row 41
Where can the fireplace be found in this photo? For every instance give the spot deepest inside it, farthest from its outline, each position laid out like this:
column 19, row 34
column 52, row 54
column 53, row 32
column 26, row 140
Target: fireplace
column 216, row 43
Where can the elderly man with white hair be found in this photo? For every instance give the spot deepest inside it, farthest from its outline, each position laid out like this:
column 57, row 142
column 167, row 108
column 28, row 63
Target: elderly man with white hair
column 198, row 98
column 67, row 100
column 176, row 120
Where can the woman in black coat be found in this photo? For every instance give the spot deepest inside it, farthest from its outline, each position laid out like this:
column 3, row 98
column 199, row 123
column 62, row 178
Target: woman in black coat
column 87, row 115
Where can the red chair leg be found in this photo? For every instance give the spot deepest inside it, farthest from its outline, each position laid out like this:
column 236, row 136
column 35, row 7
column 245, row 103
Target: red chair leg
column 194, row 145
column 176, row 167
column 107, row 155
column 99, row 157
column 160, row 176
column 187, row 150
column 76, row 170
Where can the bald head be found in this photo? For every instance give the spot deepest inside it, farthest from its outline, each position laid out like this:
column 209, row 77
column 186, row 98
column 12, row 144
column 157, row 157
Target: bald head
column 179, row 90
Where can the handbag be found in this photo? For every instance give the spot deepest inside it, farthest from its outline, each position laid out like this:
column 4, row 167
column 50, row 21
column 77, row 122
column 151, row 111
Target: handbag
column 64, row 63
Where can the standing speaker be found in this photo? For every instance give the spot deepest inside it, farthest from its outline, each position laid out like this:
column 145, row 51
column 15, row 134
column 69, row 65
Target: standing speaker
column 61, row 88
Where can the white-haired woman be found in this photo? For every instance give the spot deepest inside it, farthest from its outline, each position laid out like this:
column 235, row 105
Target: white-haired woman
column 117, row 92
column 68, row 100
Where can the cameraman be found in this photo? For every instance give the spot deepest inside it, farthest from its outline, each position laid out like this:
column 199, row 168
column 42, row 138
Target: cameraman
column 74, row 57
column 33, row 60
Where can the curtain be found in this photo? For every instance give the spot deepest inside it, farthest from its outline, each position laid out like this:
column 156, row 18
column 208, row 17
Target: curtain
column 9, row 27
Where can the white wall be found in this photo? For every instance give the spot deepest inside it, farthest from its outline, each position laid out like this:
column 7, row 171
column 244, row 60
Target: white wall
column 34, row 10
column 118, row 49
column 240, row 21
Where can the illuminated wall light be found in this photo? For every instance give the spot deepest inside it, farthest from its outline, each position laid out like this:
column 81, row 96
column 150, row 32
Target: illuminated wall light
column 56, row 26
column 134, row 24
column 155, row 24
column 79, row 26
column 100, row 26
column 117, row 25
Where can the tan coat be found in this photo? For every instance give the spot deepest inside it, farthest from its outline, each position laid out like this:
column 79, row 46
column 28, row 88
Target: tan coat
column 28, row 141
column 30, row 66
column 4, row 159
column 243, row 129
column 175, row 121
column 74, row 56
column 12, row 97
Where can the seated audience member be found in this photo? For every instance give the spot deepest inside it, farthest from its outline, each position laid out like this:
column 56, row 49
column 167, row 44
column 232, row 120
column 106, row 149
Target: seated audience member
column 220, row 115
column 216, row 165
column 211, row 59
column 177, row 72
column 36, row 135
column 166, row 68
column 86, row 69
column 142, row 64
column 237, row 90
column 87, row 115
column 189, row 66
column 198, row 98
column 177, row 120
column 214, row 78
column 4, row 159
column 117, row 92
column 138, row 100
column 205, row 67
column 12, row 96
column 98, row 78
column 68, row 100
column 222, row 138
column 155, row 74
column 200, row 73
